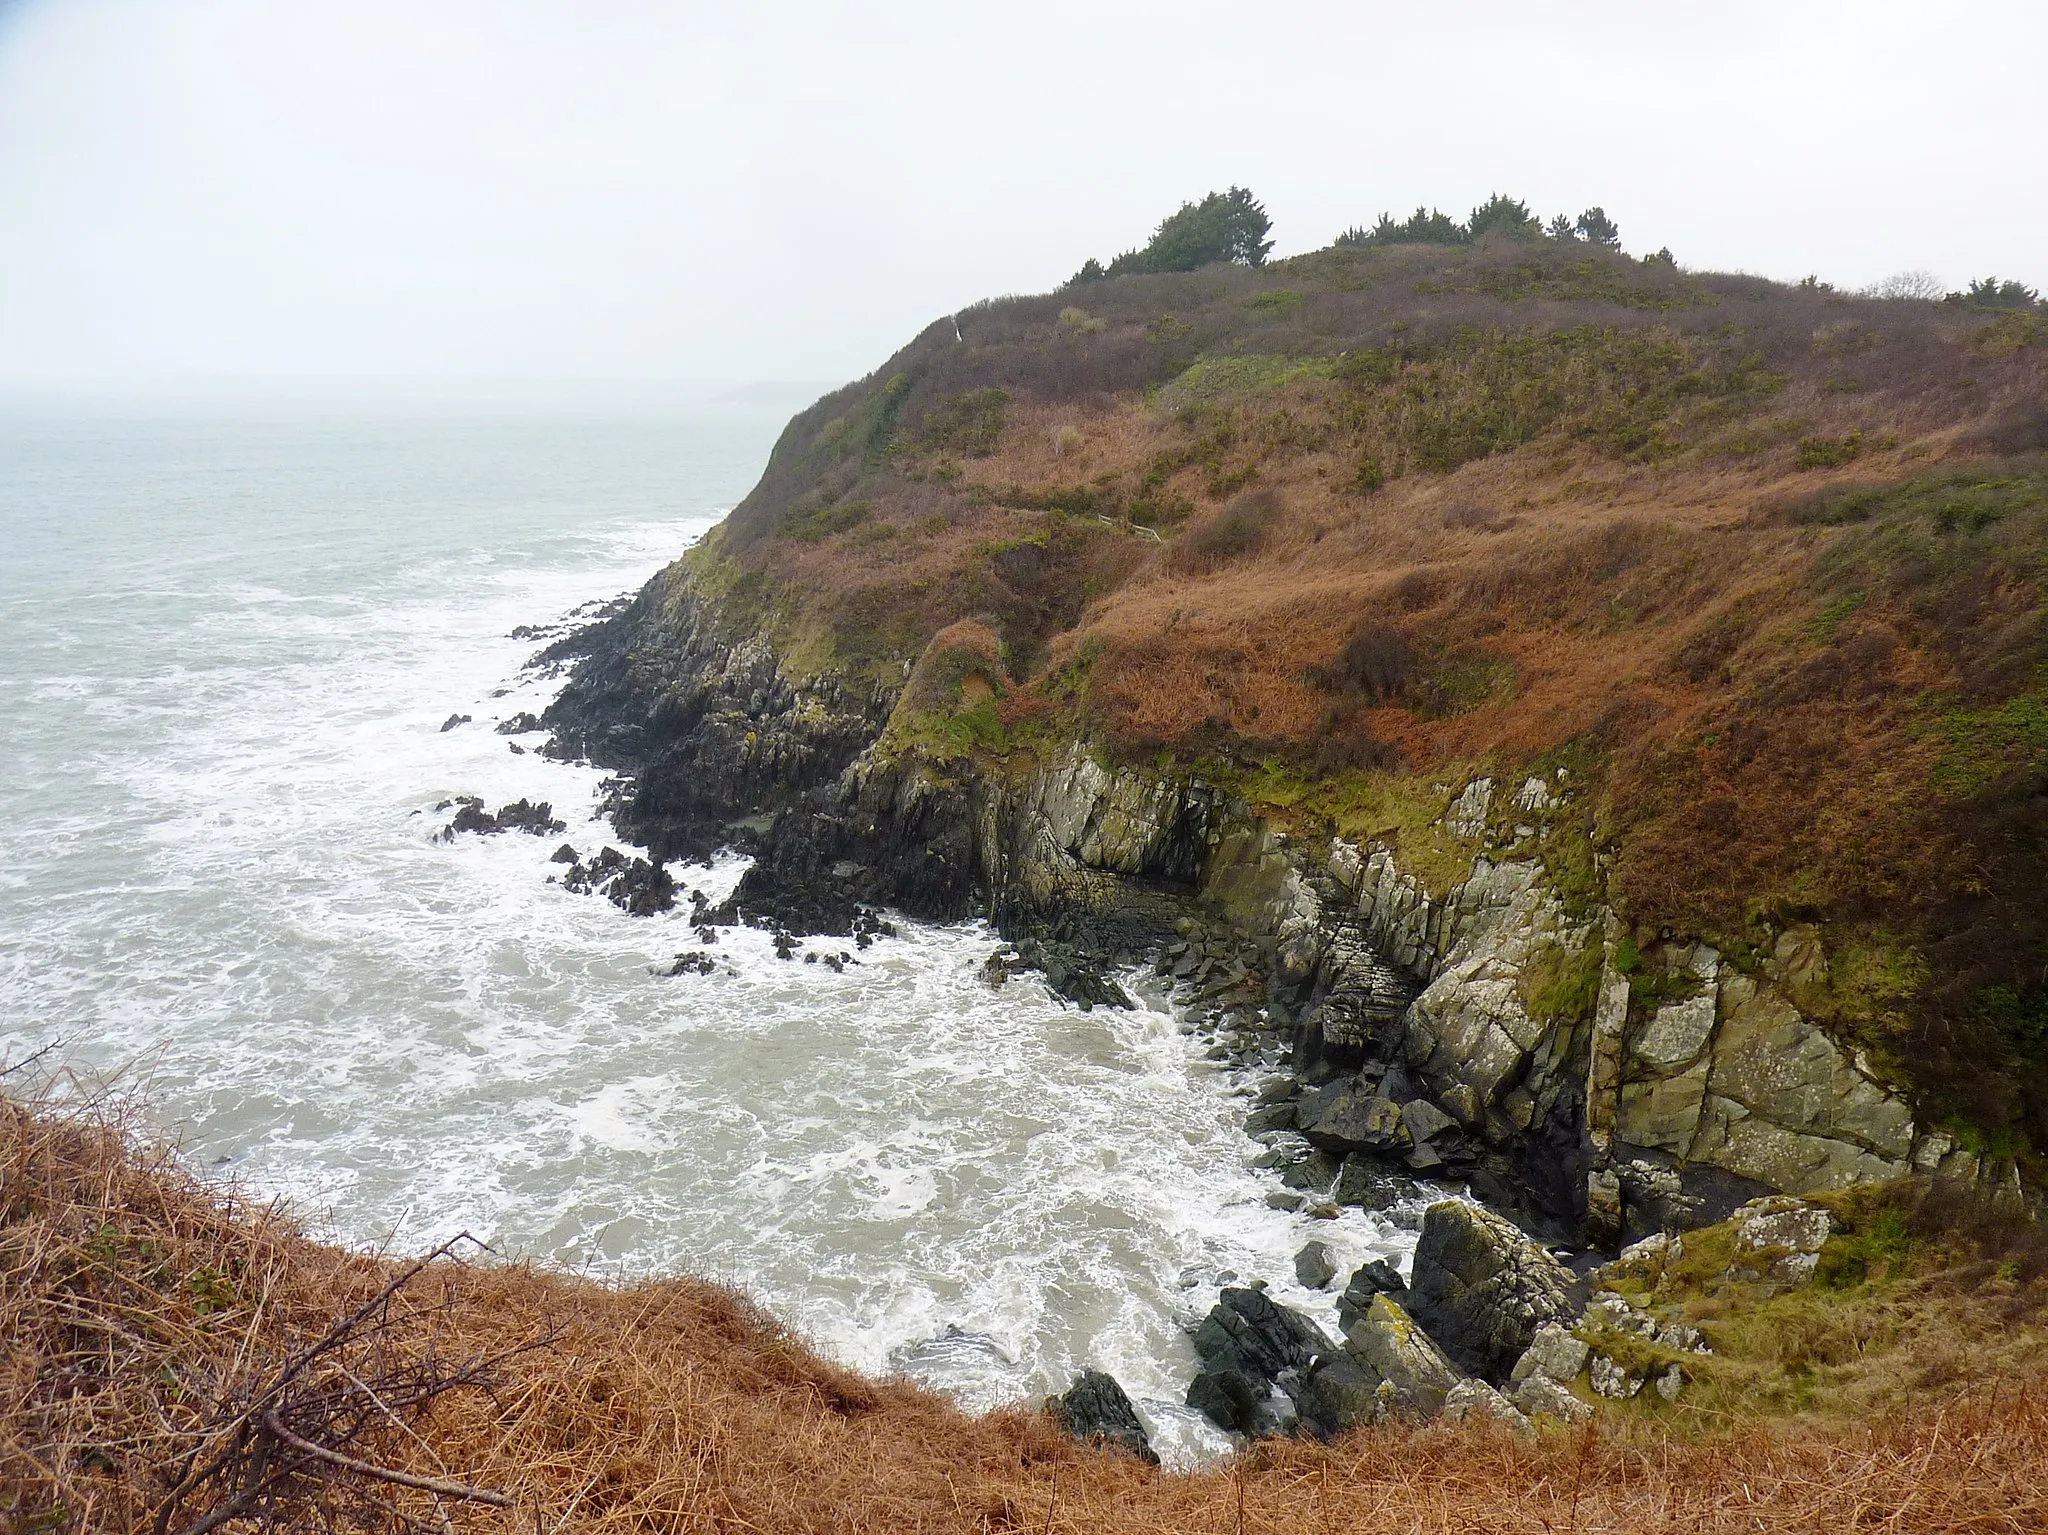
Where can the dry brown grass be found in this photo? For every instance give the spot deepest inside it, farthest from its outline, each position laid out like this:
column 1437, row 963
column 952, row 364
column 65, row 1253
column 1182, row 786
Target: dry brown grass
column 144, row 1311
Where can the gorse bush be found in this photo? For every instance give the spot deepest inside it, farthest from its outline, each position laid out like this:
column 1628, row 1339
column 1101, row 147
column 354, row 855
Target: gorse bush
column 969, row 423
column 1241, row 528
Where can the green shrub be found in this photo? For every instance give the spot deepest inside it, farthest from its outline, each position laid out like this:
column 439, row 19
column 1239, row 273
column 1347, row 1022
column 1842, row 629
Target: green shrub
column 1829, row 452
column 821, row 522
column 1370, row 477
column 969, row 423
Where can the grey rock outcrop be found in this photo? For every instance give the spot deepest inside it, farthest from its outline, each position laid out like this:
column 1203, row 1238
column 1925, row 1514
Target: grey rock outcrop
column 1555, row 1352
column 1415, row 1372
column 1483, row 1289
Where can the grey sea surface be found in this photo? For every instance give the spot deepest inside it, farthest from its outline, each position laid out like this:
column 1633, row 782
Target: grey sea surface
column 227, row 647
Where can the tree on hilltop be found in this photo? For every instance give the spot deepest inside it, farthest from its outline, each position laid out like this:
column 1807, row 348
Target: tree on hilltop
column 1502, row 215
column 1990, row 293
column 1224, row 226
column 1423, row 227
column 1595, row 227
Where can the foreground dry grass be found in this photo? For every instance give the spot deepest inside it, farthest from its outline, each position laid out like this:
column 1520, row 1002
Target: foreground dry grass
column 150, row 1327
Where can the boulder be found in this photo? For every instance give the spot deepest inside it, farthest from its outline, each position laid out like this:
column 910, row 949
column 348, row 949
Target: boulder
column 1252, row 1350
column 1353, row 1118
column 1095, row 1409
column 1417, row 1374
column 1341, row 1393
column 1554, row 1353
column 1483, row 1289
column 1780, row 1238
column 1539, row 1394
column 1314, row 1267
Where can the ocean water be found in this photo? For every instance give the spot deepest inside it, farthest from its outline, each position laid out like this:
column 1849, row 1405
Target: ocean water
column 227, row 647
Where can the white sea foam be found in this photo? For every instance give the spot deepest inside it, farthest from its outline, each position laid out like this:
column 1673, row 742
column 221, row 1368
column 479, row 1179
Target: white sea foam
column 224, row 754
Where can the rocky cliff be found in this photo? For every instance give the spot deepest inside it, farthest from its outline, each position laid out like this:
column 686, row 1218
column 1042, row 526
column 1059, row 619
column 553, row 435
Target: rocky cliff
column 1591, row 709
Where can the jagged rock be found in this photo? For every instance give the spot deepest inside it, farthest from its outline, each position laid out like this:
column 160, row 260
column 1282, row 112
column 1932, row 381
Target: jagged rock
column 1376, row 1277
column 1387, row 1341
column 1339, row 1394
column 521, row 815
column 634, row 885
column 1096, row 1409
column 1314, row 1267
column 522, row 723
column 1540, row 1395
column 1670, row 1383
column 1610, row 1379
column 1483, row 1289
column 1474, row 1399
column 1646, row 1260
column 1364, row 1181
column 1555, row 1352
column 1252, row 1349
column 1617, row 1313
column 566, row 853
column 1424, row 1119
column 452, row 721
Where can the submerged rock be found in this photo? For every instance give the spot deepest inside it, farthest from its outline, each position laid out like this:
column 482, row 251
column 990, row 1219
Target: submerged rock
column 1096, row 1409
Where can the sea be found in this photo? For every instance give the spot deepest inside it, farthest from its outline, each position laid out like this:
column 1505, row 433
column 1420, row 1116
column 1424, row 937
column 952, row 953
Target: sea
column 230, row 638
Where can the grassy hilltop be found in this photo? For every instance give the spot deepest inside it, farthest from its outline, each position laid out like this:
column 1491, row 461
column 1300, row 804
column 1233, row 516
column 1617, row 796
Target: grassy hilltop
column 1763, row 564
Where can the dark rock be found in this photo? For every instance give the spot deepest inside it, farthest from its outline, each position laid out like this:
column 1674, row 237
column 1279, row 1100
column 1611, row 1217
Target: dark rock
column 1378, row 1277
column 564, row 854
column 452, row 721
column 522, row 723
column 1481, row 1288
column 634, row 885
column 1313, row 1266
column 695, row 962
column 515, row 748
column 1338, row 1394
column 1424, row 1119
column 1352, row 1118
column 1096, row 1410
column 1273, row 1116
column 521, row 815
column 1253, row 1352
column 1315, row 1173
column 1366, row 1182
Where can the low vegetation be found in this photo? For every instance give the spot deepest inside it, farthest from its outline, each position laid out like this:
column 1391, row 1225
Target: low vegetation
column 176, row 1358
column 1762, row 563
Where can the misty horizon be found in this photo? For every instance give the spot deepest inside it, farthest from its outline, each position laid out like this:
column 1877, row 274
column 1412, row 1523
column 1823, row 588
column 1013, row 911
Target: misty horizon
column 219, row 197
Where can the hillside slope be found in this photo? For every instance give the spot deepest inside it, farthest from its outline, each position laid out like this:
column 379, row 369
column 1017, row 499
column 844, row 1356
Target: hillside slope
column 1759, row 568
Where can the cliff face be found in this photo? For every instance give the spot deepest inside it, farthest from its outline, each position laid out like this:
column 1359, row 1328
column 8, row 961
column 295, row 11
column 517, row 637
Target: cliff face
column 1608, row 697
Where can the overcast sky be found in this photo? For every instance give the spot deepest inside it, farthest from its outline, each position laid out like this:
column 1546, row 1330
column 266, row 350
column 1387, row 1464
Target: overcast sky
column 651, row 189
